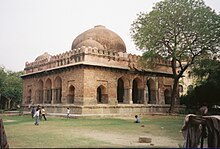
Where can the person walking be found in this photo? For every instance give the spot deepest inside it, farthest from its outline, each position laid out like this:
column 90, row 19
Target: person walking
column 37, row 114
column 43, row 113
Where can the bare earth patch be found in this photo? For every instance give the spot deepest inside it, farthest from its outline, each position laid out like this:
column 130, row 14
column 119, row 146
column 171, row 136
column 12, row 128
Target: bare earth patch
column 132, row 140
column 8, row 120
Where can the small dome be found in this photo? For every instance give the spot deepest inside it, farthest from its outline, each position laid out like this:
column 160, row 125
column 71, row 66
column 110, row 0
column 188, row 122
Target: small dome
column 101, row 37
column 43, row 56
column 91, row 43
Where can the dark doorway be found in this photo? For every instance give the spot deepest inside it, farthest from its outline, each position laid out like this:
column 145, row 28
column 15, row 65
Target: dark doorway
column 120, row 91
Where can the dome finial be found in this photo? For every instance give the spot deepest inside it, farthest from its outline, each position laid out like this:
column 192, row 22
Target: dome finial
column 100, row 26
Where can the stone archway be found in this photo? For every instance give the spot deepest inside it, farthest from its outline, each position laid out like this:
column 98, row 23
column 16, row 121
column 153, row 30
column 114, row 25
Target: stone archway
column 101, row 95
column 71, row 94
column 120, row 91
column 167, row 96
column 39, row 92
column 136, row 91
column 151, row 89
column 57, row 90
column 29, row 96
column 48, row 90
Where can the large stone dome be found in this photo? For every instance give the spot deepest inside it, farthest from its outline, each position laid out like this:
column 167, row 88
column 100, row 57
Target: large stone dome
column 100, row 37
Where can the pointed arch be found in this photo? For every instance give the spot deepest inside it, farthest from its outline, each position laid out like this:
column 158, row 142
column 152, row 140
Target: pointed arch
column 58, row 89
column 39, row 92
column 167, row 96
column 29, row 95
column 136, row 91
column 120, row 90
column 48, row 90
column 151, row 89
column 71, row 94
column 101, row 96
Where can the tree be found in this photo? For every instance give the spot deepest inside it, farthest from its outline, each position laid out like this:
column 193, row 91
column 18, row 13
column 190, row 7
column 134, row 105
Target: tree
column 10, row 87
column 2, row 78
column 181, row 31
column 13, row 88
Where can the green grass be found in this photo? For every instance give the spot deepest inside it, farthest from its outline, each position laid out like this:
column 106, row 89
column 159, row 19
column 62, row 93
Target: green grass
column 67, row 133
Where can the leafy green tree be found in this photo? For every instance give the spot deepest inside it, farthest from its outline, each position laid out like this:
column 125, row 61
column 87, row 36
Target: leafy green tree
column 10, row 87
column 3, row 75
column 181, row 31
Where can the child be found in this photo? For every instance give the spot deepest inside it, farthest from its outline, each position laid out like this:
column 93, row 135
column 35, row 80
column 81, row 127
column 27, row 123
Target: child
column 137, row 119
column 68, row 112
column 43, row 113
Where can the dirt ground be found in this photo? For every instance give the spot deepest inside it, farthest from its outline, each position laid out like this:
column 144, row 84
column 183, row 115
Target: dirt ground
column 133, row 141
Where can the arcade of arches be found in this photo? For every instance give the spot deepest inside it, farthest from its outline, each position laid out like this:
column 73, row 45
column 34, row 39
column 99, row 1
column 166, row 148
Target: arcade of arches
column 124, row 90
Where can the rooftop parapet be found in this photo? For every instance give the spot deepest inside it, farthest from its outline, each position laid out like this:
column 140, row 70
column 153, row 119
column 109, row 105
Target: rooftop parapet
column 78, row 55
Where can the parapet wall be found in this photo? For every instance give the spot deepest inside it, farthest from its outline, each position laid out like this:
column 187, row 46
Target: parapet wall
column 81, row 55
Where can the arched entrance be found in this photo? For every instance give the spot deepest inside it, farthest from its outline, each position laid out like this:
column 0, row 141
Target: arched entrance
column 120, row 91
column 71, row 95
column 101, row 95
column 48, row 91
column 29, row 96
column 58, row 90
column 136, row 91
column 167, row 96
column 151, row 89
column 39, row 92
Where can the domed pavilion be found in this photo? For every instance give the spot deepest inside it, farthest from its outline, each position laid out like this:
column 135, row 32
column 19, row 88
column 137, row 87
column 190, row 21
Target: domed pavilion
column 96, row 76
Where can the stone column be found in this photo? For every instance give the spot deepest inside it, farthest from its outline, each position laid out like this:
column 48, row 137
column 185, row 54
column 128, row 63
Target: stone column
column 130, row 96
column 145, row 96
column 53, row 96
column 44, row 95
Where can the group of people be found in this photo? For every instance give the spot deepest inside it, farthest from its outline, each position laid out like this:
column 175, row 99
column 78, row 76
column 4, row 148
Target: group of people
column 38, row 113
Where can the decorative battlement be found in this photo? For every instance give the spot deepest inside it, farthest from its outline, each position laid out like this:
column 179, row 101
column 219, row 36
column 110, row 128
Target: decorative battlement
column 85, row 54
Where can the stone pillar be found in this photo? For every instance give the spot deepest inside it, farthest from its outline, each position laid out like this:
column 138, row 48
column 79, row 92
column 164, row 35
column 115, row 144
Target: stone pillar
column 145, row 96
column 130, row 96
column 53, row 96
column 44, row 95
column 157, row 92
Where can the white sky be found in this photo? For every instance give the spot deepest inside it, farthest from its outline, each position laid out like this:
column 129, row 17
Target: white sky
column 28, row 28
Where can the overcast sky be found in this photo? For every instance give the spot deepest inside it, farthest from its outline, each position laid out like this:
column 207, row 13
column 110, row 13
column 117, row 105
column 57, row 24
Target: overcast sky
column 29, row 28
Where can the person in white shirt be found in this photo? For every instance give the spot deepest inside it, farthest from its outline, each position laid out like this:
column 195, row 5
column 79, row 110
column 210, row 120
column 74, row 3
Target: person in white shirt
column 68, row 113
column 43, row 112
column 37, row 114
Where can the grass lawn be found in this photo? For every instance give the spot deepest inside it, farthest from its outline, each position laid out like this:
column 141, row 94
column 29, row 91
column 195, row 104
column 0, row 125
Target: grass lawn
column 92, row 132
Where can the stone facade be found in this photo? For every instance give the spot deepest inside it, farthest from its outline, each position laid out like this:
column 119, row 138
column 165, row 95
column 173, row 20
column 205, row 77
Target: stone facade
column 96, row 81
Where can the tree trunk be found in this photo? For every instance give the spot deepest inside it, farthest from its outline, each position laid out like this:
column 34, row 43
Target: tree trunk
column 173, row 95
column 9, row 104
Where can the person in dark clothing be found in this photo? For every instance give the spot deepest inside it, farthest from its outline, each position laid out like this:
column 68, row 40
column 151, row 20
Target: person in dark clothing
column 203, row 112
column 33, row 112
column 137, row 119
column 192, row 130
